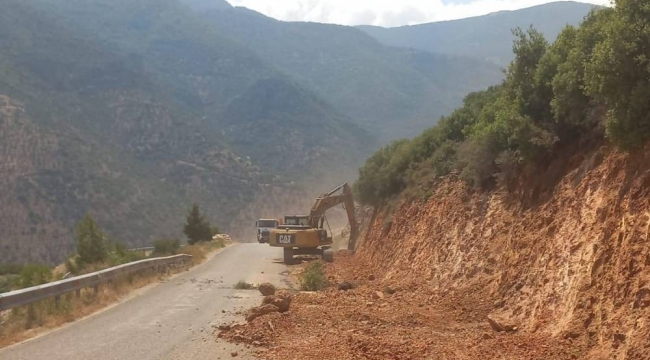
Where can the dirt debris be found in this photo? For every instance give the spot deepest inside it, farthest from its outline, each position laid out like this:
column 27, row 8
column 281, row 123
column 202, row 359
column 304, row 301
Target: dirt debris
column 412, row 324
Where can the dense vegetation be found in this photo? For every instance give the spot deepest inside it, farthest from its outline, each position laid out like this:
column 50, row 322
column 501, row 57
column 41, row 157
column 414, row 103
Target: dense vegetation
column 595, row 74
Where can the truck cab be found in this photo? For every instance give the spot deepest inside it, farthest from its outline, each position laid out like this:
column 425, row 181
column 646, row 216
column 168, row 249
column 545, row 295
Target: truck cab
column 264, row 227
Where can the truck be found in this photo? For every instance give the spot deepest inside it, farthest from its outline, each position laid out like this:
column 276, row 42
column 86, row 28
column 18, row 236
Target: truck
column 264, row 227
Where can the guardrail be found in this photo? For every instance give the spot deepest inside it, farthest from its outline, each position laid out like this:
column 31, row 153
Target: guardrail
column 56, row 289
column 149, row 248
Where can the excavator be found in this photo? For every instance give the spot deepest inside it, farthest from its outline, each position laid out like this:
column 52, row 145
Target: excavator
column 306, row 235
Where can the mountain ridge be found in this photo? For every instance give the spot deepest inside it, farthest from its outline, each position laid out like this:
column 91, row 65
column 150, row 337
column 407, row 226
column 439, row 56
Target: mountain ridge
column 475, row 36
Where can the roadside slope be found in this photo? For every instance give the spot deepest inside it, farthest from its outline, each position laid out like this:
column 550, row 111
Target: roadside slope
column 569, row 260
column 562, row 268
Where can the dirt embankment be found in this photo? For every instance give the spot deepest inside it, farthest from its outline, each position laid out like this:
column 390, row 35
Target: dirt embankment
column 562, row 263
column 574, row 265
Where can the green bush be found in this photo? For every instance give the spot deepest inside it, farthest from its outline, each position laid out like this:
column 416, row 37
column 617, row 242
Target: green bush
column 313, row 277
column 7, row 282
column 166, row 246
column 10, row 269
column 115, row 258
column 476, row 162
column 34, row 275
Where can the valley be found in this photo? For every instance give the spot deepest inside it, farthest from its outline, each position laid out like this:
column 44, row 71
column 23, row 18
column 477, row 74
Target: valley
column 138, row 113
column 499, row 167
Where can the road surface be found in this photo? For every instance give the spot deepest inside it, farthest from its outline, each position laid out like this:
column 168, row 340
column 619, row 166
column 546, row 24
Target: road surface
column 173, row 320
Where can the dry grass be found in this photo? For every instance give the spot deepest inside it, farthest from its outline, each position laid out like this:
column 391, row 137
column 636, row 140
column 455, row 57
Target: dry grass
column 28, row 321
column 200, row 251
column 25, row 322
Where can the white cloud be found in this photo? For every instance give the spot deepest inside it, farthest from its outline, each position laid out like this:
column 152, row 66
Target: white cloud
column 384, row 12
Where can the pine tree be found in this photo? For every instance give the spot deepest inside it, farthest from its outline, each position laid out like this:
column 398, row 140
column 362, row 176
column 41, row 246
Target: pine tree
column 91, row 245
column 197, row 228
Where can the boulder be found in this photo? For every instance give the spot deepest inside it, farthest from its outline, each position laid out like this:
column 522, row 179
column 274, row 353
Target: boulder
column 501, row 324
column 282, row 301
column 267, row 289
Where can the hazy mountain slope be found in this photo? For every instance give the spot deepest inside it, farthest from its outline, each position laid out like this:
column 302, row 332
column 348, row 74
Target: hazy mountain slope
column 286, row 129
column 485, row 37
column 393, row 92
column 111, row 108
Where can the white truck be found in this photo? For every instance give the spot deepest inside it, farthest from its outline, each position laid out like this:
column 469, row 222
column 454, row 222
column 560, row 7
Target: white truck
column 264, row 227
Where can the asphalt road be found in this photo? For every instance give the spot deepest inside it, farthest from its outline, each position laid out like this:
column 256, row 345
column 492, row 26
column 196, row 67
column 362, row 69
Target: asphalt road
column 172, row 320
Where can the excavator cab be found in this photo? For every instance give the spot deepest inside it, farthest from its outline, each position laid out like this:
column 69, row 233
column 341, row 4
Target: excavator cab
column 296, row 220
column 306, row 235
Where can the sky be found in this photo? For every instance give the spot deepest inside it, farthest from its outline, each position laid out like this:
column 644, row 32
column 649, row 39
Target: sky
column 386, row 13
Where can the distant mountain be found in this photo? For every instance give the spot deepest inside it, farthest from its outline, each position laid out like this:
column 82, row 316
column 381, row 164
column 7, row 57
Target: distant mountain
column 203, row 5
column 486, row 37
column 130, row 114
column 390, row 91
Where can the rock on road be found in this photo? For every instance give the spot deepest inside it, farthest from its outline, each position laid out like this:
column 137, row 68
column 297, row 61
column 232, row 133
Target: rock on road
column 172, row 320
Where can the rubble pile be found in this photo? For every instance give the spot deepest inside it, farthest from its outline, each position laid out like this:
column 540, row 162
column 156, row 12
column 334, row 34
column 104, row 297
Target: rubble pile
column 384, row 319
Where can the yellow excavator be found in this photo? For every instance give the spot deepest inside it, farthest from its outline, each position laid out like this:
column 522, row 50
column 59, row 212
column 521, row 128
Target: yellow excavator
column 306, row 235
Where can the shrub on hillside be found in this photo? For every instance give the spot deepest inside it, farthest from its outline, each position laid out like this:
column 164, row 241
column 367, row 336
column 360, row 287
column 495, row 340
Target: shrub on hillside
column 476, row 162
column 34, row 275
column 509, row 165
column 9, row 269
column 91, row 242
column 7, row 282
column 166, row 246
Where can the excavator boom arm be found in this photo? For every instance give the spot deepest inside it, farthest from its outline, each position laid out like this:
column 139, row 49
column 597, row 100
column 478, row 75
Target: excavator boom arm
column 328, row 201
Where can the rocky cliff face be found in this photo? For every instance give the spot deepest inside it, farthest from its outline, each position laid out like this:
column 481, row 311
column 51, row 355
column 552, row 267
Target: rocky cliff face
column 565, row 254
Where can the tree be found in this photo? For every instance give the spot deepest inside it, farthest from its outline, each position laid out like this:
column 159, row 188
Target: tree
column 533, row 99
column 619, row 73
column 197, row 228
column 91, row 242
